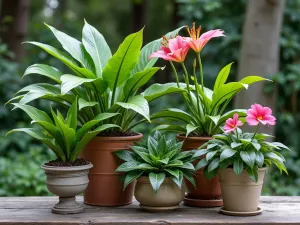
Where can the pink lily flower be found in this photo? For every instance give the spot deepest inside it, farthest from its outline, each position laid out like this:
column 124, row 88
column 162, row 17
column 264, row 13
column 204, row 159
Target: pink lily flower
column 259, row 114
column 232, row 124
column 197, row 42
column 174, row 49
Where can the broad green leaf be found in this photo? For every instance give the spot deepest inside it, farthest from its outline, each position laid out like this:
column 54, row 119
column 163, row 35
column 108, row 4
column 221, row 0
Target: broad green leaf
column 222, row 76
column 119, row 66
column 90, row 124
column 156, row 180
column 173, row 172
column 152, row 147
column 235, row 144
column 131, row 176
column 227, row 153
column 272, row 155
column 280, row 145
column 188, row 166
column 41, row 87
column 30, row 96
column 174, row 128
column 210, row 155
column 190, row 178
column 172, row 114
column 202, row 163
column 138, row 104
column 83, row 103
column 72, row 114
column 215, row 119
column 67, row 60
column 281, row 167
column 44, row 70
column 190, row 128
column 144, row 62
column 128, row 166
column 199, row 153
column 178, row 180
column 125, row 155
column 74, row 47
column 138, row 80
column 34, row 113
column 70, row 82
column 158, row 90
column 252, row 172
column 238, row 166
column 252, row 79
column 259, row 159
column 213, row 165
column 96, row 46
column 248, row 157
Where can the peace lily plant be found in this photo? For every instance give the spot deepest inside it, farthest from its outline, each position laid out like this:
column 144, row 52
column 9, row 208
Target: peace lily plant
column 206, row 107
column 102, row 82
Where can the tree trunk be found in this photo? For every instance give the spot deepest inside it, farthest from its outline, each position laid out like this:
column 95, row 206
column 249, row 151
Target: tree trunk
column 260, row 51
column 14, row 32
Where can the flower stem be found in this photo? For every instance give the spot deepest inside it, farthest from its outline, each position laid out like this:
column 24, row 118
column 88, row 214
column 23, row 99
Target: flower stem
column 201, row 71
column 175, row 72
column 255, row 132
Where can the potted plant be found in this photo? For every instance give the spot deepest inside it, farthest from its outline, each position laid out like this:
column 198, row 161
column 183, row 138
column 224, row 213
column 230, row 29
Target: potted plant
column 159, row 167
column 67, row 176
column 206, row 107
column 103, row 83
column 241, row 160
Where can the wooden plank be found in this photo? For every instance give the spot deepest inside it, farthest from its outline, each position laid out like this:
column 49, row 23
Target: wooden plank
column 37, row 211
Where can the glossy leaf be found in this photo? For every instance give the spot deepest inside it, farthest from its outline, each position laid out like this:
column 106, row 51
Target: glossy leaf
column 44, row 70
column 156, row 180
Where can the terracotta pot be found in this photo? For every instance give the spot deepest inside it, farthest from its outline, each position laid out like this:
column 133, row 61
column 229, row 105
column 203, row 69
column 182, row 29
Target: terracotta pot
column 67, row 182
column 105, row 187
column 207, row 192
column 168, row 196
column 240, row 193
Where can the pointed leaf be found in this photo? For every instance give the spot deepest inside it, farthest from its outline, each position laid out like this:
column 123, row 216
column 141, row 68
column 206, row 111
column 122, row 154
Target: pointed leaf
column 158, row 90
column 227, row 153
column 156, row 180
column 44, row 70
column 131, row 176
column 238, row 166
column 222, row 76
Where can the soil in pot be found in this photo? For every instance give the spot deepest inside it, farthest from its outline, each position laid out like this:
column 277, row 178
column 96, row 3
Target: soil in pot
column 167, row 198
column 105, row 187
column 67, row 182
column 207, row 192
column 248, row 192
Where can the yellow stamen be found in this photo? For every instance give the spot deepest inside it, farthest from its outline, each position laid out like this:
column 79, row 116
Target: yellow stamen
column 193, row 32
column 259, row 118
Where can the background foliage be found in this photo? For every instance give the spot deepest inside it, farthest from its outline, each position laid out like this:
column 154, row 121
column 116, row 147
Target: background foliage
column 20, row 156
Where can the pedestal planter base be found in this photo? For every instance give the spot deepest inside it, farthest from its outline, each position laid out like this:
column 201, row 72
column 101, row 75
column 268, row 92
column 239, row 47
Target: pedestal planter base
column 67, row 205
column 158, row 209
column 203, row 202
column 231, row 213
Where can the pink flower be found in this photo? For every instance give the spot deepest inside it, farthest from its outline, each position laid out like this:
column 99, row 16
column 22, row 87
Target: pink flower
column 174, row 49
column 259, row 114
column 232, row 123
column 197, row 43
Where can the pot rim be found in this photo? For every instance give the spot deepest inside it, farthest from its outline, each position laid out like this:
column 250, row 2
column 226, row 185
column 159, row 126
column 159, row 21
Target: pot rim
column 231, row 169
column 122, row 138
column 200, row 138
column 67, row 168
column 145, row 179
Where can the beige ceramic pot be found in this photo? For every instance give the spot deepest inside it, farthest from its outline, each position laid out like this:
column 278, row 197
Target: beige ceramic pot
column 67, row 182
column 168, row 196
column 240, row 193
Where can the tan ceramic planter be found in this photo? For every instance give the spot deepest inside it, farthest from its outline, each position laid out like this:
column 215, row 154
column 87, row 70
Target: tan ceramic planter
column 105, row 188
column 207, row 192
column 240, row 193
column 67, row 182
column 168, row 196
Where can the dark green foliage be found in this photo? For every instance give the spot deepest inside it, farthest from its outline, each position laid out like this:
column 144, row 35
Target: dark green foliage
column 158, row 158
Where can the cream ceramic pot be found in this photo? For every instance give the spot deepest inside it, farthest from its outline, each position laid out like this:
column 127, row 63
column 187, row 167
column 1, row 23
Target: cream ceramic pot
column 168, row 196
column 240, row 193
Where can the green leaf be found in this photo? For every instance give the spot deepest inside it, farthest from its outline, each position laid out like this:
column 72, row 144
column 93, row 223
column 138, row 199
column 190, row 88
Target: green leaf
column 279, row 145
column 178, row 180
column 128, row 166
column 235, row 145
column 125, row 155
column 44, row 70
column 252, row 79
column 253, row 174
column 188, row 166
column 34, row 113
column 272, row 155
column 83, row 103
column 256, row 146
column 130, row 177
column 72, row 114
column 189, row 129
column 259, row 159
column 190, row 178
column 119, row 66
column 248, row 157
column 174, row 128
column 172, row 114
column 138, row 80
column 70, row 82
column 74, row 47
column 96, row 46
column 202, row 163
column 222, row 76
column 144, row 62
column 158, row 90
column 152, row 146
column 215, row 119
column 89, row 125
column 199, row 153
column 67, row 60
column 238, row 166
column 156, row 180
column 210, row 155
column 173, row 172
column 138, row 104
column 227, row 153
column 213, row 165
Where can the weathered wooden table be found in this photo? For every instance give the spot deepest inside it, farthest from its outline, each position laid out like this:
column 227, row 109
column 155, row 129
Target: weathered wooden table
column 37, row 210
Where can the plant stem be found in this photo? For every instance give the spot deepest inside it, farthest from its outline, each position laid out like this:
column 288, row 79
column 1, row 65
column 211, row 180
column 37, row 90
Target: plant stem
column 175, row 72
column 196, row 88
column 255, row 132
column 201, row 71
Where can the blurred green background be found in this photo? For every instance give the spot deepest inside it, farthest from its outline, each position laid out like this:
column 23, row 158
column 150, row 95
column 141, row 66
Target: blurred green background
column 21, row 156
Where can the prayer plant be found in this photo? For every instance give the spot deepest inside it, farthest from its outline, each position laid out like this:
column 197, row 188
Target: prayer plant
column 206, row 107
column 242, row 151
column 61, row 135
column 158, row 158
column 102, row 82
